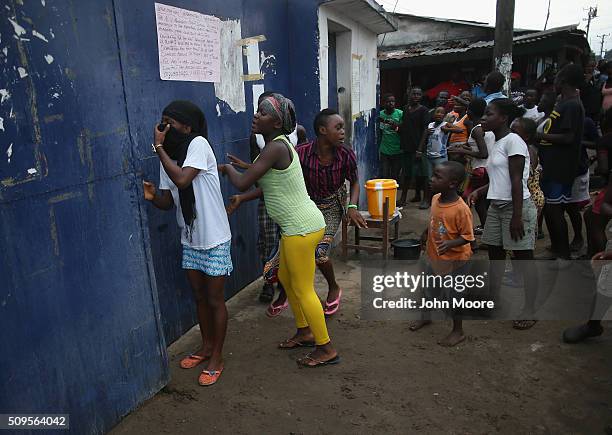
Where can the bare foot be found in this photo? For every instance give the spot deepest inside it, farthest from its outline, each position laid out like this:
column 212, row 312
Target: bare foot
column 333, row 293
column 215, row 363
column 415, row 326
column 204, row 352
column 452, row 339
column 281, row 299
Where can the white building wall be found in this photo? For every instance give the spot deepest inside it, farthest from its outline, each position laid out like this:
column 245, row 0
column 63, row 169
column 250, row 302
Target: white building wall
column 357, row 73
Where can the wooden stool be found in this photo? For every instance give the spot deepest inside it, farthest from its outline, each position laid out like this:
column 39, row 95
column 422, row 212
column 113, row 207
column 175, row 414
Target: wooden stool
column 382, row 224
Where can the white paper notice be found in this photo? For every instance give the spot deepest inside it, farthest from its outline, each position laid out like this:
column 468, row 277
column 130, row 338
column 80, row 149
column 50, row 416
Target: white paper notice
column 356, row 84
column 189, row 45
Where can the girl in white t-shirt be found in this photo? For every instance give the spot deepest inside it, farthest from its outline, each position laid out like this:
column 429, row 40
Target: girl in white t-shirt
column 189, row 180
column 512, row 215
column 480, row 143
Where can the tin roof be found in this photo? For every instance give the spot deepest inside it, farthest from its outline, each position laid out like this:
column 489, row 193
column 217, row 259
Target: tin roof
column 366, row 12
column 436, row 48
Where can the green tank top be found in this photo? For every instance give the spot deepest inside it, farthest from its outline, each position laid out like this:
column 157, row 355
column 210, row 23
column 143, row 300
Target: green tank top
column 287, row 201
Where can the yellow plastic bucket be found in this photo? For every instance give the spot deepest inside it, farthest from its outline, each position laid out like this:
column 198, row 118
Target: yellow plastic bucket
column 377, row 190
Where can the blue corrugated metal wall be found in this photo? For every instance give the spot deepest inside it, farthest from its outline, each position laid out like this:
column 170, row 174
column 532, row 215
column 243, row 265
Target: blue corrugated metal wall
column 79, row 314
column 91, row 290
column 146, row 96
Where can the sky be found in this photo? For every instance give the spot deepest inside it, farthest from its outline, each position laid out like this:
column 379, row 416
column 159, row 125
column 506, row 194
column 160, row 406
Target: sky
column 528, row 14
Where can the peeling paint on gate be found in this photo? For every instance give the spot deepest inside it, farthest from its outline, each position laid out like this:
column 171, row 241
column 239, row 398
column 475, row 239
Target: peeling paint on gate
column 231, row 89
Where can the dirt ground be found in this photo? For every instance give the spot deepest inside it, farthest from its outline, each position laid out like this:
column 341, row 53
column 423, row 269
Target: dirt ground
column 390, row 380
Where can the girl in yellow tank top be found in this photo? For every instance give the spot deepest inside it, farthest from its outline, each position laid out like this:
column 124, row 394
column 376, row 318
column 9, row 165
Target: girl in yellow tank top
column 302, row 224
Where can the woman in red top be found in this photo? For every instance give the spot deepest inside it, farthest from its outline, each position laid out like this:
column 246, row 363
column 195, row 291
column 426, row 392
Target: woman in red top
column 326, row 163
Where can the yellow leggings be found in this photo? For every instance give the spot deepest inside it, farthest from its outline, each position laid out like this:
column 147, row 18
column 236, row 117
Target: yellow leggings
column 296, row 272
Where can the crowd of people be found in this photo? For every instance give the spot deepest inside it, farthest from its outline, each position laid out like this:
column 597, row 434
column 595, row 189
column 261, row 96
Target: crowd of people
column 517, row 160
column 301, row 187
column 524, row 158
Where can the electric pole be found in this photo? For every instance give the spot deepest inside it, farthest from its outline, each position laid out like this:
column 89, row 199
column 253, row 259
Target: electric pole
column 591, row 14
column 603, row 38
column 504, row 34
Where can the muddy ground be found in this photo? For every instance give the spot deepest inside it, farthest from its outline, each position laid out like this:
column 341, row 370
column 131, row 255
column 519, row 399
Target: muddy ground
column 390, row 380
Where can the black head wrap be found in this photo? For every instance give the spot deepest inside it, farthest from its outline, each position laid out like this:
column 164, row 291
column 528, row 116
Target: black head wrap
column 176, row 145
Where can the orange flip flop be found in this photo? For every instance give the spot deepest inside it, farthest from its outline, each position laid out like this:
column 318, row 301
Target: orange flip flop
column 191, row 361
column 209, row 377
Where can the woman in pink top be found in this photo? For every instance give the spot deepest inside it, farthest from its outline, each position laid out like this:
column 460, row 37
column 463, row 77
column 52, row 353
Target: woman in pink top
column 606, row 92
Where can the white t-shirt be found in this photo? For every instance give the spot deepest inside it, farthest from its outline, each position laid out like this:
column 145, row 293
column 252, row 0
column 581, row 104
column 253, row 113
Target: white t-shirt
column 489, row 138
column 500, row 186
column 533, row 113
column 210, row 226
column 293, row 138
column 436, row 142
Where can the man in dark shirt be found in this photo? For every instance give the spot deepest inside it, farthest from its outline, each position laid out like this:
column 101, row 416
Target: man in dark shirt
column 414, row 123
column 442, row 100
column 590, row 93
column 559, row 152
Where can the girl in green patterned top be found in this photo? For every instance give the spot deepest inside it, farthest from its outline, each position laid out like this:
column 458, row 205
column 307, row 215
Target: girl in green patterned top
column 278, row 173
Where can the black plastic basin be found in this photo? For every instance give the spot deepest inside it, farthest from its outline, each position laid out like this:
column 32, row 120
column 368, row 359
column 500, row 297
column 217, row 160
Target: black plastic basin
column 406, row 249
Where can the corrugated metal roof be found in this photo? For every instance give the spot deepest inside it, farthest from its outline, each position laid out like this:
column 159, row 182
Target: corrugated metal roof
column 457, row 46
column 456, row 21
column 366, row 12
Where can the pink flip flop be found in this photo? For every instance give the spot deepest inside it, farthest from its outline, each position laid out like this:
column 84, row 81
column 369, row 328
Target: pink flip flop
column 275, row 310
column 332, row 307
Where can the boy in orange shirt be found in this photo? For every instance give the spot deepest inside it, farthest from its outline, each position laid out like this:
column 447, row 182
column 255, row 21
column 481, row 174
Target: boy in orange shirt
column 448, row 237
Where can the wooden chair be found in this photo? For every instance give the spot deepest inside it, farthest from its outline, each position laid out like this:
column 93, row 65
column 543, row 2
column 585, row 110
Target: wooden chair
column 384, row 224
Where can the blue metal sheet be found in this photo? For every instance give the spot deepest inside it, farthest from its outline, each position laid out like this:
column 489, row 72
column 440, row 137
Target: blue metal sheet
column 92, row 289
column 79, row 309
column 146, row 95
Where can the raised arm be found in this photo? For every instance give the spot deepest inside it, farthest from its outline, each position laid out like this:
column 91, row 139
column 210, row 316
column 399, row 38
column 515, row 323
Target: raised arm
column 181, row 177
column 482, row 152
column 270, row 155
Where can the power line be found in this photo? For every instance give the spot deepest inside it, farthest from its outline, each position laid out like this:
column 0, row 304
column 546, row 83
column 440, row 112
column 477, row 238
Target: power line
column 547, row 15
column 385, row 35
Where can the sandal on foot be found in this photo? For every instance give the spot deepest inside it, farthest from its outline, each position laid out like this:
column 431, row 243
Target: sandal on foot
column 191, row 361
column 209, row 377
column 522, row 325
column 310, row 362
column 332, row 307
column 577, row 334
column 275, row 310
column 292, row 344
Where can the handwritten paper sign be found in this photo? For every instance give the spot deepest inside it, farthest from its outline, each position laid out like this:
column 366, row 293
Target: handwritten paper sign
column 189, row 45
column 356, row 83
